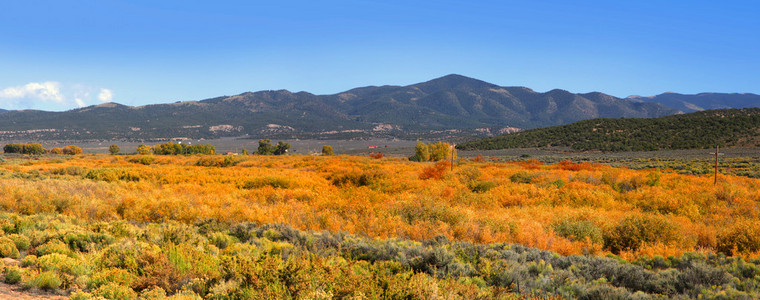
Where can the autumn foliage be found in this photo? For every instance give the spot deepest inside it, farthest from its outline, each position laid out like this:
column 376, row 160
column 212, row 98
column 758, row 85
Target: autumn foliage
column 568, row 208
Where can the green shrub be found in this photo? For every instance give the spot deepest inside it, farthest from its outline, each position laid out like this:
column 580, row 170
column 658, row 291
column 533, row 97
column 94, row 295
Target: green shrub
column 482, row 186
column 111, row 175
column 578, row 230
column 52, row 246
column 364, row 178
column 209, row 161
column 221, row 240
column 634, row 231
column 12, row 275
column 115, row 291
column 230, row 161
column 8, row 248
column 741, row 238
column 522, row 177
column 111, row 275
column 8, row 226
column 216, row 161
column 275, row 182
column 145, row 160
column 107, row 175
column 22, row 242
column 85, row 241
column 80, row 296
column 47, row 280
column 174, row 233
column 70, row 170
column 154, row 293
column 55, row 262
column 29, row 260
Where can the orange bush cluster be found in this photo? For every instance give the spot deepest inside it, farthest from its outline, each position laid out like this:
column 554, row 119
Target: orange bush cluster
column 568, row 208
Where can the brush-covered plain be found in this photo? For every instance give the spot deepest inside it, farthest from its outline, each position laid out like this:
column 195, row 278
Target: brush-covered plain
column 307, row 227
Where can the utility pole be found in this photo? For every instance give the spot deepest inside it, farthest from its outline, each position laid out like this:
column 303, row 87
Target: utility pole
column 716, row 165
column 452, row 157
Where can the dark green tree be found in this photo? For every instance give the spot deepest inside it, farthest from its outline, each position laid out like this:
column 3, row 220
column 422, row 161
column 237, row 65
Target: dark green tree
column 327, row 150
column 114, row 149
column 282, row 148
column 265, row 147
column 13, row 148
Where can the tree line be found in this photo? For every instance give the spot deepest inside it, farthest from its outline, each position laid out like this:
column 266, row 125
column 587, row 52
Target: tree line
column 172, row 148
column 37, row 149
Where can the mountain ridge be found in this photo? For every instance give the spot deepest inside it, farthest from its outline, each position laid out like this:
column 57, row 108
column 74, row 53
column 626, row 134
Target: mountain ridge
column 702, row 101
column 452, row 105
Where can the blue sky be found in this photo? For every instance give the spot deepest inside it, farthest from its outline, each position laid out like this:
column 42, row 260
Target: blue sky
column 58, row 55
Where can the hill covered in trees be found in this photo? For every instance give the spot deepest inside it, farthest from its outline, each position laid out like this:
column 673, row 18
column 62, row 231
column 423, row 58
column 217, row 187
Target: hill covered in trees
column 706, row 129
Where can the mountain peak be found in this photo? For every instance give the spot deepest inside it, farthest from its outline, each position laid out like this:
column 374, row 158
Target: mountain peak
column 108, row 105
column 452, row 81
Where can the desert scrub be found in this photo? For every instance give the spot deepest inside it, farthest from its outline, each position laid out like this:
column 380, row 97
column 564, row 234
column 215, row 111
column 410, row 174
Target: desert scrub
column 47, row 280
column 56, row 262
column 221, row 240
column 22, row 242
column 115, row 291
column 12, row 275
column 111, row 275
column 52, row 246
column 84, row 241
column 8, row 248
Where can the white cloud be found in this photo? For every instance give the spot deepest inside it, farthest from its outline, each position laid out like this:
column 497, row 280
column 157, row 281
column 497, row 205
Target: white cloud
column 46, row 91
column 52, row 95
column 105, row 95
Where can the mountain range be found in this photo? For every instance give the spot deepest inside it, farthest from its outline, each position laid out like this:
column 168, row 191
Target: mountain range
column 702, row 101
column 452, row 105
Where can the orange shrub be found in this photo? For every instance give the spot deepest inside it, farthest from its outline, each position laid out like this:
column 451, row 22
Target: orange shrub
column 570, row 166
column 435, row 171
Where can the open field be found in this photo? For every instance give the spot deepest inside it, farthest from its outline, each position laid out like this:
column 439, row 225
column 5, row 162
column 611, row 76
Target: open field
column 454, row 231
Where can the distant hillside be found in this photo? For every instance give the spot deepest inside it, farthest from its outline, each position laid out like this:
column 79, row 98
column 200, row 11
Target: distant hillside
column 702, row 101
column 725, row 127
column 452, row 105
